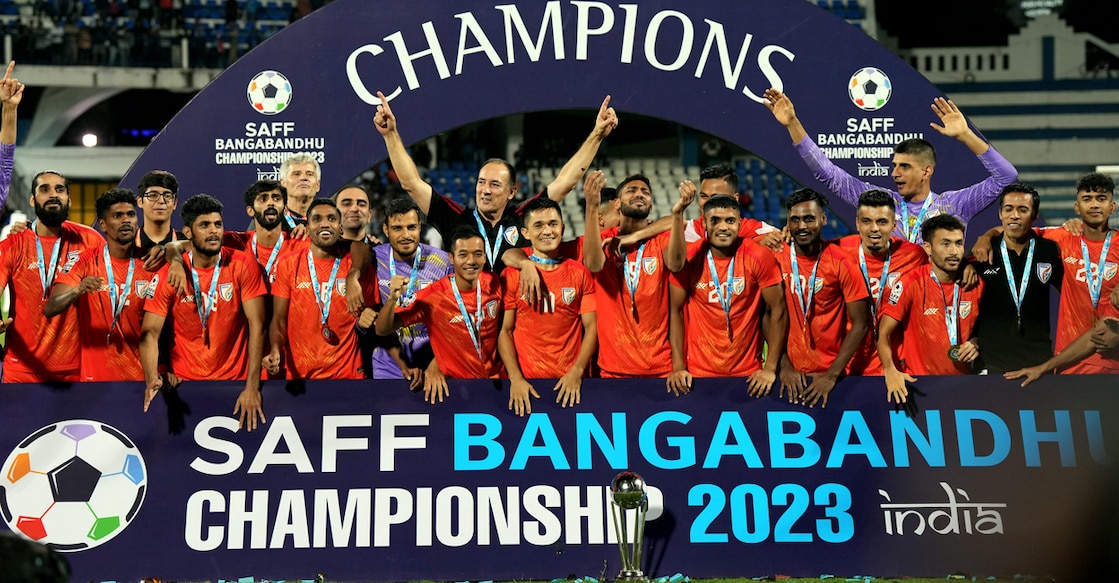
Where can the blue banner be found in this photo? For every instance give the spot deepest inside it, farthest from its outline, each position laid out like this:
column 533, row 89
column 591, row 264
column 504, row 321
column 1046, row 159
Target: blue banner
column 365, row 481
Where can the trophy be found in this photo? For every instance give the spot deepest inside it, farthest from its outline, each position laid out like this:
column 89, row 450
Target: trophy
column 628, row 493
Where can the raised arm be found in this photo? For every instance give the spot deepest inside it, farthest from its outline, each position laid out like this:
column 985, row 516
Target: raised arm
column 11, row 93
column 402, row 163
column 782, row 109
column 676, row 253
column 593, row 256
column 573, row 170
column 955, row 126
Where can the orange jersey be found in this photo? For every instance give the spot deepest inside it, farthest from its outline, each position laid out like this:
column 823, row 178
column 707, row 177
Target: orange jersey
column 435, row 306
column 815, row 337
column 904, row 257
column 309, row 353
column 919, row 303
column 1075, row 314
column 711, row 352
column 220, row 352
column 548, row 342
column 38, row 348
column 636, row 343
column 265, row 256
column 110, row 353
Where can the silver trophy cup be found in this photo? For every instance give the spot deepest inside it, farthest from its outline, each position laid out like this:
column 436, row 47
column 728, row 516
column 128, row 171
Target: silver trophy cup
column 628, row 490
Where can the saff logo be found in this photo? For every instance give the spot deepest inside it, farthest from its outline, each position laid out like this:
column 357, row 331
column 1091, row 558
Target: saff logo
column 269, row 92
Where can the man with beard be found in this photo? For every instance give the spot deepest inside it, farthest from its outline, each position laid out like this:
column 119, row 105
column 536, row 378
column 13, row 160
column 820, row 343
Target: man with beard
column 406, row 354
column 109, row 283
column 461, row 313
column 826, row 300
column 718, row 301
column 632, row 284
column 41, row 349
column 219, row 323
column 932, row 312
column 311, row 330
column 300, row 176
column 914, row 161
column 555, row 340
column 353, row 203
column 265, row 202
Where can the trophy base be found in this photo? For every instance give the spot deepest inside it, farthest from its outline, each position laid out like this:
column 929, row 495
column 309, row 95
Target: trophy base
column 634, row 576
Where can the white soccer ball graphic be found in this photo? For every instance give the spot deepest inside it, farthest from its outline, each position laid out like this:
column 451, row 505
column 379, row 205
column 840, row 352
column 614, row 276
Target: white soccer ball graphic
column 269, row 92
column 869, row 89
column 73, row 485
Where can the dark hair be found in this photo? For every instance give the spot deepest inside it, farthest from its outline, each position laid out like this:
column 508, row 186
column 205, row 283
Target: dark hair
column 198, row 205
column 35, row 180
column 540, row 203
column 878, row 198
column 460, row 233
column 721, row 171
column 1022, row 187
column 335, row 196
column 322, row 202
column 506, row 164
column 401, row 206
column 722, row 201
column 917, row 147
column 632, row 177
column 1095, row 182
column 944, row 222
column 112, row 197
column 160, row 178
column 260, row 186
column 608, row 194
column 805, row 195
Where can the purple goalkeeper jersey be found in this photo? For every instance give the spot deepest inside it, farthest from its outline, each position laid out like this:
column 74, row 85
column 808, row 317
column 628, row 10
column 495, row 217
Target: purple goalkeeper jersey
column 964, row 203
column 414, row 340
column 7, row 159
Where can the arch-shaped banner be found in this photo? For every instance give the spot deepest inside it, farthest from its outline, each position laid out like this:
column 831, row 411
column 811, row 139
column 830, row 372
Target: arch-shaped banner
column 703, row 64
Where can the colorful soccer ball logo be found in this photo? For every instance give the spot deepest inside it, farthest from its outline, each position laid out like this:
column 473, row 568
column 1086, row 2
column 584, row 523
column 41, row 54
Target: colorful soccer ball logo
column 869, row 89
column 73, row 485
column 269, row 92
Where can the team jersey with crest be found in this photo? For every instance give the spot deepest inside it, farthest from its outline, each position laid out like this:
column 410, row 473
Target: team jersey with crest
column 904, row 257
column 636, row 338
column 710, row 350
column 41, row 349
column 748, row 228
column 111, row 353
column 220, row 352
column 415, row 342
column 455, row 349
column 310, row 353
column 815, row 337
column 548, row 341
column 1076, row 315
column 919, row 303
column 267, row 257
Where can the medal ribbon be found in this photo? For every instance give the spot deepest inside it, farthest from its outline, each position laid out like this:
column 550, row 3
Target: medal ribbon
column 911, row 236
column 1092, row 273
column 725, row 294
column 545, row 260
column 1018, row 293
column 951, row 317
column 116, row 304
column 491, row 250
column 272, row 257
column 322, row 291
column 883, row 281
column 204, row 307
column 473, row 325
column 632, row 273
column 803, row 298
column 46, row 276
column 410, row 291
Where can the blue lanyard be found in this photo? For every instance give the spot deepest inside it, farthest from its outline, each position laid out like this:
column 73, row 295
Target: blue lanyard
column 289, row 219
column 473, row 325
column 724, row 293
column 322, row 291
column 116, row 303
column 544, row 260
column 46, row 276
column 1018, row 293
column 883, row 281
column 272, row 257
column 803, row 299
column 1092, row 273
column 410, row 291
column 951, row 316
column 204, row 305
column 632, row 273
column 491, row 250
column 911, row 236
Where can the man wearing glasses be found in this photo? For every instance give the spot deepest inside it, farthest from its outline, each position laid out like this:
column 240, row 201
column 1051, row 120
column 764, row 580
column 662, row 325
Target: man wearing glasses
column 157, row 201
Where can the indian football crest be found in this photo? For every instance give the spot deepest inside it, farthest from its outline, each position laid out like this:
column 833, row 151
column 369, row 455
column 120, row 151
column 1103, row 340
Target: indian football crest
column 892, row 280
column 568, row 295
column 649, row 265
column 819, row 285
column 1044, row 271
column 1109, row 270
column 491, row 309
column 226, row 291
column 965, row 309
column 738, row 285
column 511, row 235
column 340, row 285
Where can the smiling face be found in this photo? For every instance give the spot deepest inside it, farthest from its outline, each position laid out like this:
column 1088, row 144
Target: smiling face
column 805, row 221
column 911, row 175
column 51, row 199
column 875, row 223
column 468, row 257
column 722, row 227
column 324, row 225
column 544, row 229
column 493, row 189
column 1017, row 214
column 403, row 232
column 268, row 209
column 353, row 203
column 206, row 233
column 119, row 223
column 1094, row 207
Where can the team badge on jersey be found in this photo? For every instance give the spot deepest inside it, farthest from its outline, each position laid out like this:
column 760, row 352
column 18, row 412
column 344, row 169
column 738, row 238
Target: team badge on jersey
column 965, row 309
column 649, row 265
column 738, row 285
column 568, row 295
column 491, row 309
column 226, row 291
column 340, row 285
column 1044, row 271
column 895, row 293
column 892, row 280
column 819, row 285
column 1109, row 270
column 511, row 235
column 72, row 258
